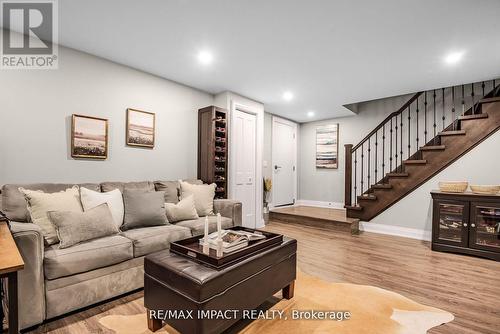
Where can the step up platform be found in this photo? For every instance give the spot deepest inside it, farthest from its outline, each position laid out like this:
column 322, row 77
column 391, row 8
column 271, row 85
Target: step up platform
column 328, row 218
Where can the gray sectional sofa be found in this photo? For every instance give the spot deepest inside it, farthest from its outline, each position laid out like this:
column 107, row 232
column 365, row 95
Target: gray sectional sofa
column 57, row 281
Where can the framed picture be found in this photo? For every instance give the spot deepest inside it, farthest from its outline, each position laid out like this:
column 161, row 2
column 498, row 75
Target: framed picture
column 89, row 137
column 140, row 128
column 327, row 146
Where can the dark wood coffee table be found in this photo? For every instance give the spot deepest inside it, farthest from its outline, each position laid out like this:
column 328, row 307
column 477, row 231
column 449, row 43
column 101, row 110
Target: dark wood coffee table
column 173, row 282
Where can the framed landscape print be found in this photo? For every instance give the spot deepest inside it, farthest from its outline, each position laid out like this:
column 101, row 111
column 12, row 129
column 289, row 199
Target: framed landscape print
column 89, row 137
column 327, row 146
column 140, row 128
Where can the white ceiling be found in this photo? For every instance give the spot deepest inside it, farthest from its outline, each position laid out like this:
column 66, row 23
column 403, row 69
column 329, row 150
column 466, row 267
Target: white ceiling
column 328, row 53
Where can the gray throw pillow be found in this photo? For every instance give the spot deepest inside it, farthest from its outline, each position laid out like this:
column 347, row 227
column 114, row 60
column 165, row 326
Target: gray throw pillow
column 143, row 209
column 75, row 227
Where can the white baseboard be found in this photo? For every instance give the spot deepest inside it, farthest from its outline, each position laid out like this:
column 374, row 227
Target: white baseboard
column 396, row 230
column 320, row 204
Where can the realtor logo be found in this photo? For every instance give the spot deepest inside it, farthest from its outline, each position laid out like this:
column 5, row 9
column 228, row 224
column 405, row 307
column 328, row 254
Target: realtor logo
column 29, row 35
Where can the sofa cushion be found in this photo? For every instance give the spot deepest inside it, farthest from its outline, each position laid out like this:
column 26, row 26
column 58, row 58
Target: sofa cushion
column 86, row 256
column 141, row 185
column 197, row 226
column 152, row 239
column 14, row 204
column 143, row 209
column 40, row 203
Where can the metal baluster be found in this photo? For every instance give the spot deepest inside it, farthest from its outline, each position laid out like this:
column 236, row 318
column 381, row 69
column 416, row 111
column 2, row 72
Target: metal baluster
column 463, row 100
column 369, row 160
column 473, row 102
column 444, row 115
column 355, row 177
column 409, row 131
column 376, row 156
column 390, row 150
column 418, row 146
column 453, row 107
column 434, row 125
column 425, row 119
column 383, row 151
column 362, row 169
column 401, row 138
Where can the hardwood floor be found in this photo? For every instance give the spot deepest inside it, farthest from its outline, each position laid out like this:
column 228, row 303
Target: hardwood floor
column 466, row 286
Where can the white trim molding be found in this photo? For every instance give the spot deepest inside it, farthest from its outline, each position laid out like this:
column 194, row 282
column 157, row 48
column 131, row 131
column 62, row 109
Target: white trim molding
column 399, row 231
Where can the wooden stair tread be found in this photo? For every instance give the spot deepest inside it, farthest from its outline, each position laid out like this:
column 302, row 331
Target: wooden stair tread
column 398, row 174
column 474, row 116
column 415, row 162
column 452, row 133
column 433, row 148
column 382, row 186
column 353, row 207
column 367, row 197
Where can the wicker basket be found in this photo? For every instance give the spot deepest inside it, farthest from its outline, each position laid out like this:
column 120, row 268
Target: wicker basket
column 453, row 186
column 487, row 190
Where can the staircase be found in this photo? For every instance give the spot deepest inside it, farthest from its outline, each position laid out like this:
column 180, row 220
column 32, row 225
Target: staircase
column 427, row 134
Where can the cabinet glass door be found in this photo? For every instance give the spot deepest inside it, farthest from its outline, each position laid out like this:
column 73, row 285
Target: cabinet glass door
column 485, row 227
column 453, row 223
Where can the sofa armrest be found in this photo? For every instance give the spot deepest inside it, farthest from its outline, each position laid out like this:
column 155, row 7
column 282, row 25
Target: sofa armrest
column 31, row 285
column 230, row 209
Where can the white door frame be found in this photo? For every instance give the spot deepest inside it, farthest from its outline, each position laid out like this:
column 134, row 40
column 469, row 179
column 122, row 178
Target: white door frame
column 259, row 221
column 276, row 119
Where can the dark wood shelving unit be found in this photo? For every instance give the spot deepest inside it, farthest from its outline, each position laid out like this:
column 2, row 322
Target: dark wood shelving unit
column 213, row 148
column 466, row 223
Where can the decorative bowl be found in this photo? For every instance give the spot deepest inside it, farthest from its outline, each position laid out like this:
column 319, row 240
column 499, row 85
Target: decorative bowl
column 453, row 186
column 485, row 189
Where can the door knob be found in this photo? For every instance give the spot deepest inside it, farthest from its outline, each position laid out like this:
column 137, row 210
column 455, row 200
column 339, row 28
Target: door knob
column 276, row 167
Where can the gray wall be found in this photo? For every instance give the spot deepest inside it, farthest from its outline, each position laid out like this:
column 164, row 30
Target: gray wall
column 35, row 115
column 328, row 185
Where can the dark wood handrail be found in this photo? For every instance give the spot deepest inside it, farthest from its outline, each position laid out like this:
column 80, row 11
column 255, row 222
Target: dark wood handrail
column 399, row 111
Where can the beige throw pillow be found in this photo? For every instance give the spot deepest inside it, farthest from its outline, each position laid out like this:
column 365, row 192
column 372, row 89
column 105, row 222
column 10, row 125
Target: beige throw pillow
column 203, row 196
column 184, row 210
column 75, row 227
column 39, row 203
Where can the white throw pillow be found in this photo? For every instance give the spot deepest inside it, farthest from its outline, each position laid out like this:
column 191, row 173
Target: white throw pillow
column 184, row 210
column 203, row 196
column 39, row 203
column 114, row 199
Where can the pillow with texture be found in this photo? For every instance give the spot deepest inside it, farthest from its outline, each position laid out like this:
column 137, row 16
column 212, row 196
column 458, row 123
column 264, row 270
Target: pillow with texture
column 184, row 210
column 203, row 196
column 39, row 203
column 114, row 199
column 75, row 227
column 143, row 209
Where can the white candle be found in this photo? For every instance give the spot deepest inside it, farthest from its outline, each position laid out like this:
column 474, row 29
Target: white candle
column 219, row 226
column 206, row 249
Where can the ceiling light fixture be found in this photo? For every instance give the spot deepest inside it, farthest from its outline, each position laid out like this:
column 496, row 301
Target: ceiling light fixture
column 205, row 57
column 454, row 57
column 310, row 113
column 287, row 96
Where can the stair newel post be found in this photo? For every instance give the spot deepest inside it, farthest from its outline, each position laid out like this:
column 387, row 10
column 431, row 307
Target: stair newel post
column 396, row 142
column 473, row 100
column 482, row 86
column 348, row 175
column 369, row 161
column 444, row 115
column 453, row 107
column 401, row 141
column 376, row 157
column 383, row 151
column 409, row 131
column 362, row 168
column 435, row 122
column 356, row 177
column 418, row 133
column 390, row 148
column 425, row 118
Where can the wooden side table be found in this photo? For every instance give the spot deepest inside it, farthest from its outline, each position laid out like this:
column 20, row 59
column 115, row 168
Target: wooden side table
column 10, row 263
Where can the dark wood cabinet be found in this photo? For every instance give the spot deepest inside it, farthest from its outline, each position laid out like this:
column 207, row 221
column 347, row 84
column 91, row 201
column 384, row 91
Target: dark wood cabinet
column 466, row 223
column 213, row 148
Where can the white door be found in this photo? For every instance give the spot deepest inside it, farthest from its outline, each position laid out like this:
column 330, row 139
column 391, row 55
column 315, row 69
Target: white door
column 284, row 151
column 244, row 162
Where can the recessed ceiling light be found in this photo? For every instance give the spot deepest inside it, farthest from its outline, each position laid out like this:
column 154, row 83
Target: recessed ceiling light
column 454, row 57
column 287, row 96
column 310, row 113
column 205, row 57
